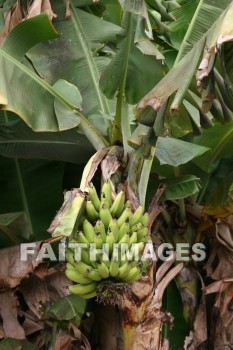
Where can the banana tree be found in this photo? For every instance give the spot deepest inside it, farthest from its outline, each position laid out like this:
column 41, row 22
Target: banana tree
column 84, row 84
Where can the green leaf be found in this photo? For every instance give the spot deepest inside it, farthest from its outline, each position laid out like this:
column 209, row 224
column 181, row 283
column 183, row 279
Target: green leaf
column 220, row 140
column 80, row 63
column 207, row 12
column 172, row 303
column 14, row 225
column 130, row 65
column 19, row 141
column 180, row 76
column 33, row 187
column 34, row 102
column 68, row 308
column 175, row 152
column 180, row 187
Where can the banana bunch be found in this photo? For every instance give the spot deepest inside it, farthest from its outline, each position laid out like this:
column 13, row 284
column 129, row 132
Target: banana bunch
column 112, row 237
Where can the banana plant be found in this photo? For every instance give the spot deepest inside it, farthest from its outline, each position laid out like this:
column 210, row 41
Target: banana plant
column 76, row 84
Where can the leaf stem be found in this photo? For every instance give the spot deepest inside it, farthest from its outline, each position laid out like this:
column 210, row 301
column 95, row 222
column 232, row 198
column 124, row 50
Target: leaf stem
column 54, row 333
column 21, row 187
column 117, row 127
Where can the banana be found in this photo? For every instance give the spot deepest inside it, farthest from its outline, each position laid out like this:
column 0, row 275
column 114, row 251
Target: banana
column 89, row 295
column 145, row 219
column 126, row 215
column 137, row 227
column 133, row 238
column 80, row 289
column 113, row 226
column 125, row 239
column 118, row 204
column 92, row 214
column 83, row 268
column 127, row 205
column 124, row 228
column 114, row 268
column 137, row 216
column 135, row 253
column 106, row 194
column 94, row 196
column 105, row 215
column 99, row 228
column 94, row 257
column 70, row 266
column 115, row 262
column 98, row 241
column 110, row 239
column 89, row 231
column 94, row 275
column 81, row 238
column 142, row 233
column 74, row 276
column 124, row 270
column 103, row 270
column 70, row 257
column 132, row 274
column 85, row 256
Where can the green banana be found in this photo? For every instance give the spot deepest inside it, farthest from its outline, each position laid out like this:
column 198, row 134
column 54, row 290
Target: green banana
column 115, row 262
column 124, row 270
column 118, row 204
column 103, row 270
column 99, row 228
column 133, row 238
column 80, row 289
column 98, row 241
column 134, row 272
column 137, row 227
column 109, row 223
column 113, row 226
column 81, row 238
column 125, row 239
column 70, row 266
column 85, row 256
column 89, row 295
column 92, row 214
column 124, row 228
column 142, row 233
column 106, row 194
column 83, row 268
column 125, row 216
column 94, row 196
column 127, row 205
column 145, row 219
column 137, row 216
column 70, row 257
column 105, row 215
column 94, row 275
column 110, row 239
column 89, row 231
column 74, row 276
column 114, row 267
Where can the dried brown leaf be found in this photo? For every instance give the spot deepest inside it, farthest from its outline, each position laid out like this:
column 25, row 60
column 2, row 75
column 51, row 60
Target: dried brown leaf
column 57, row 283
column 64, row 341
column 12, row 18
column 35, row 294
column 200, row 324
column 8, row 312
column 31, row 324
column 40, row 6
column 13, row 269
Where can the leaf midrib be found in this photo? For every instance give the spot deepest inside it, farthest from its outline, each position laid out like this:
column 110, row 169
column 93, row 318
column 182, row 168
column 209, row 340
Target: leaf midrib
column 220, row 146
column 90, row 60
